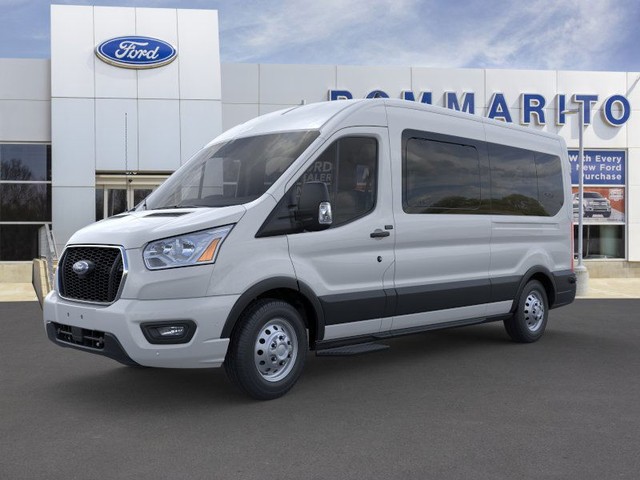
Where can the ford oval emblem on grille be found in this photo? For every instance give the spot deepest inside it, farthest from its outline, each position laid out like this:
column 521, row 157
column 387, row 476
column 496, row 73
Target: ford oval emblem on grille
column 83, row 267
column 136, row 52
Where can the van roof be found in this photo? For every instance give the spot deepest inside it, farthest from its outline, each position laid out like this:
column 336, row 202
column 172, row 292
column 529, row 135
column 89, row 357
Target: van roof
column 315, row 116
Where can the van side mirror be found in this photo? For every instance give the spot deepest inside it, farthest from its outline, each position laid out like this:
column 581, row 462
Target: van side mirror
column 314, row 208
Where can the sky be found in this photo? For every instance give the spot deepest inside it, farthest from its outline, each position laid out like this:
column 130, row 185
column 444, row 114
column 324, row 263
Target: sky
column 531, row 34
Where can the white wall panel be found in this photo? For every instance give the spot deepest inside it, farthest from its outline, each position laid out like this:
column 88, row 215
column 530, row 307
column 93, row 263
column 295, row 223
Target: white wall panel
column 291, row 84
column 159, row 135
column 25, row 79
column 74, row 208
column 633, row 169
column 199, row 54
column 161, row 23
column 114, row 82
column 633, row 129
column 25, row 121
column 512, row 83
column 240, row 83
column 73, row 143
column 441, row 80
column 597, row 135
column 72, row 55
column 633, row 89
column 633, row 215
column 633, row 203
column 362, row 80
column 603, row 84
column 200, row 122
column 235, row 114
column 264, row 108
column 116, row 134
column 634, row 242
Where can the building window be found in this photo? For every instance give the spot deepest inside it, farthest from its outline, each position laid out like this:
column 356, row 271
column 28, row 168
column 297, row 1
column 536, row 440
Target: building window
column 25, row 198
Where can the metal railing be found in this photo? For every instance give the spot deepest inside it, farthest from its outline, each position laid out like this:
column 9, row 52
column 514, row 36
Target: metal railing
column 48, row 251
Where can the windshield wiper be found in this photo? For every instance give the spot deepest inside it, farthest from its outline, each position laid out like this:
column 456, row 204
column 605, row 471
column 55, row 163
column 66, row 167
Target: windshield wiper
column 179, row 206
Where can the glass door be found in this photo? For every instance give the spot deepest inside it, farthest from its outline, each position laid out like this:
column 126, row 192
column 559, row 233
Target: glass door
column 119, row 193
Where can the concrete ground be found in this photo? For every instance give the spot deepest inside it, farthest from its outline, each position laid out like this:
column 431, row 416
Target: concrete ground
column 598, row 288
column 464, row 403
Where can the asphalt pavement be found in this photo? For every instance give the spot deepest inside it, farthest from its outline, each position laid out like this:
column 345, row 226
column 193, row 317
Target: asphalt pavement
column 464, row 403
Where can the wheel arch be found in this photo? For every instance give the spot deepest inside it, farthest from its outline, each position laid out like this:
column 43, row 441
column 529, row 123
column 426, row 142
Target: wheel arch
column 288, row 289
column 542, row 275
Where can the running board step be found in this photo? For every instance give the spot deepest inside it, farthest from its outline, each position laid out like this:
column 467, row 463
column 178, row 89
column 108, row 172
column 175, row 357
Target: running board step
column 349, row 350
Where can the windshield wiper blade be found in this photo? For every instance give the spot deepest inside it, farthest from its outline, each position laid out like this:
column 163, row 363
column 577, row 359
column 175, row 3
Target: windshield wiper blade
column 179, row 206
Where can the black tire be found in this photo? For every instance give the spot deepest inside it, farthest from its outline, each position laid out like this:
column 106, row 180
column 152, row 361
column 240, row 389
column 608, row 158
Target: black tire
column 267, row 350
column 606, row 214
column 530, row 318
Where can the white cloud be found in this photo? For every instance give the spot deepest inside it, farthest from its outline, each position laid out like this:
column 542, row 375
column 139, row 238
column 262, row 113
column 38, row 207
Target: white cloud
column 545, row 34
column 536, row 34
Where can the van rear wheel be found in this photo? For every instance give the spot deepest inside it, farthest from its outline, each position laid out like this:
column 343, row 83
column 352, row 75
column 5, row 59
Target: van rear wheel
column 530, row 318
column 268, row 349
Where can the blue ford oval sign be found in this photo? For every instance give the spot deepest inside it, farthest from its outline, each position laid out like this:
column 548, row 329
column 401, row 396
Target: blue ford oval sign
column 136, row 52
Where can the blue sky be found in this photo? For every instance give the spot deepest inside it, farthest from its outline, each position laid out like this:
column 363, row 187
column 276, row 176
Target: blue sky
column 532, row 34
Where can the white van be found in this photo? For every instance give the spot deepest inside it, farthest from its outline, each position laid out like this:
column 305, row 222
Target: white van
column 325, row 227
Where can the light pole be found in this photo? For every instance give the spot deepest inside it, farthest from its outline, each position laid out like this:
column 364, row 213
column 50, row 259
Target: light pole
column 582, row 274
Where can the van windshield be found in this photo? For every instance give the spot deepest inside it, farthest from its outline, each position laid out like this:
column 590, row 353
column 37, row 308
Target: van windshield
column 231, row 173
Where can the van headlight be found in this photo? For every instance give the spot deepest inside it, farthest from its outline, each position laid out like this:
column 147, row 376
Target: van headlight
column 195, row 248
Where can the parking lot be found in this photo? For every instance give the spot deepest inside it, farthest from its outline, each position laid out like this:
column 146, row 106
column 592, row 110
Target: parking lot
column 463, row 403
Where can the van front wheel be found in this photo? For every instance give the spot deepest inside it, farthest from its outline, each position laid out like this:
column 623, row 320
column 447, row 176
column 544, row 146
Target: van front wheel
column 530, row 318
column 268, row 349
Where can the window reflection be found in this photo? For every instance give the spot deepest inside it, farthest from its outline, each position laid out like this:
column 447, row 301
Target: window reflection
column 25, row 196
column 18, row 242
column 25, row 202
column 25, row 162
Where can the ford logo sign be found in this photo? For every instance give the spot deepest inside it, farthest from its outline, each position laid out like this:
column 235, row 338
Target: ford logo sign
column 82, row 267
column 136, row 52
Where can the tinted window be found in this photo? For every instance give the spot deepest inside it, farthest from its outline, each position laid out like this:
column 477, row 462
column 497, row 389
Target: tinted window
column 18, row 242
column 550, row 191
column 349, row 168
column 514, row 187
column 25, row 202
column 232, row 173
column 22, row 162
column 440, row 177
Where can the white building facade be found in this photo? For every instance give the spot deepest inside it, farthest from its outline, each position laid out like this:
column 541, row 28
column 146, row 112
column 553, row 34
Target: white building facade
column 82, row 138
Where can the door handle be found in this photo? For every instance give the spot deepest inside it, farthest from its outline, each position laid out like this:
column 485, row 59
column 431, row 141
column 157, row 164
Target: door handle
column 377, row 233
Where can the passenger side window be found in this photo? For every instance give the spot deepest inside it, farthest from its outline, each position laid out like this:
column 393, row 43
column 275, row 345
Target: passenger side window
column 349, row 168
column 514, row 187
column 440, row 177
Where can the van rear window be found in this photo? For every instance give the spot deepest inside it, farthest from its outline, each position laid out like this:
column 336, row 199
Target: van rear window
column 449, row 174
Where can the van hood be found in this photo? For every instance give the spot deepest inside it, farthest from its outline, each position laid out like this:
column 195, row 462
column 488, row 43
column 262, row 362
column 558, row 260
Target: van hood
column 135, row 229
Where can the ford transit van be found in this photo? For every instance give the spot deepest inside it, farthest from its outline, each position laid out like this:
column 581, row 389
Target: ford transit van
column 325, row 227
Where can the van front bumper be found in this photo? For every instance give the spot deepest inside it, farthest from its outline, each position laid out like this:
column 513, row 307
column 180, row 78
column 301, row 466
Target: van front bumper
column 115, row 331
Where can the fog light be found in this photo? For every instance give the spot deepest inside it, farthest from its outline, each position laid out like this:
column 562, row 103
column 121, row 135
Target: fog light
column 180, row 331
column 172, row 331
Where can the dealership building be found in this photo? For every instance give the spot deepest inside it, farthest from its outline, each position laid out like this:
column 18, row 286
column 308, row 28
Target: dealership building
column 84, row 135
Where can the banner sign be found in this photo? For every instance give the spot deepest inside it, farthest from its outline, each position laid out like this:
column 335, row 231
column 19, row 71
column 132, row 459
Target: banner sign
column 601, row 167
column 601, row 205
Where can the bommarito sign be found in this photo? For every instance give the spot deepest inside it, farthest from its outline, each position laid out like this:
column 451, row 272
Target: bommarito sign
column 616, row 109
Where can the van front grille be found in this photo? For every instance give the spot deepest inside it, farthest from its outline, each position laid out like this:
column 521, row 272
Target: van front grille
column 101, row 281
